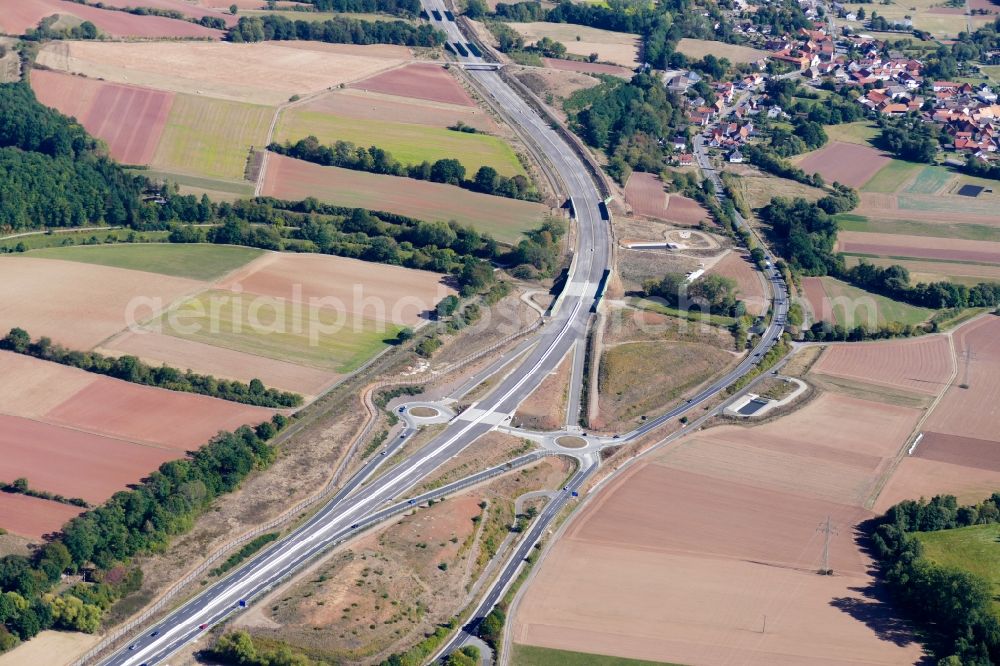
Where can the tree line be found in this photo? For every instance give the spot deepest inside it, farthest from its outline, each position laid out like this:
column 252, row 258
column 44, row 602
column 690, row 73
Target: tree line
column 131, row 369
column 373, row 159
column 337, row 30
column 101, row 542
column 953, row 607
column 398, row 7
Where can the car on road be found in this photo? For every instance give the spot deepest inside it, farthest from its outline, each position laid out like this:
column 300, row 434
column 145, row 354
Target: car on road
column 154, row 634
column 354, row 526
column 384, row 451
column 402, row 409
column 202, row 627
column 131, row 647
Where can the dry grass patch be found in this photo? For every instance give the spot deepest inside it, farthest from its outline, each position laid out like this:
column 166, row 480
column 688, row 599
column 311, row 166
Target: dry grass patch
column 620, row 48
column 545, row 408
column 697, row 49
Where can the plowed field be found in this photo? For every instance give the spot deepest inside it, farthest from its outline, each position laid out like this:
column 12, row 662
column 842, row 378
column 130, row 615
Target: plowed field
column 419, row 80
column 32, row 517
column 923, row 364
column 129, row 119
column 20, row 15
column 748, row 280
column 845, row 163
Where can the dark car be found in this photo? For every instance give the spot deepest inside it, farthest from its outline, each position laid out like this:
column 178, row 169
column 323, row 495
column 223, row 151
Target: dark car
column 154, row 634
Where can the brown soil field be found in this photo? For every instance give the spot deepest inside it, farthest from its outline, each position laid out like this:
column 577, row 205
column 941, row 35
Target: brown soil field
column 973, row 411
column 150, row 415
column 834, row 449
column 587, row 67
column 363, row 105
column 923, row 364
column 645, row 193
column 293, row 179
column 749, row 281
column 71, row 462
column 262, row 73
column 185, row 8
column 684, row 211
column 79, row 305
column 979, row 453
column 31, row 388
column 620, row 48
column 815, row 296
column 20, row 15
column 545, row 408
column 360, row 288
column 32, row 517
column 129, row 119
column 846, row 163
column 895, row 245
column 672, row 566
column 157, row 348
column 917, row 477
column 418, row 80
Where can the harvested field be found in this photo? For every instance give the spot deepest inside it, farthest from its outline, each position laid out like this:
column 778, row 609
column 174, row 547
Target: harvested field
column 30, row 388
column 757, row 188
column 558, row 83
column 304, row 334
column 894, row 245
column 211, row 137
column 504, row 219
column 845, row 163
column 202, row 261
column 79, row 305
column 923, row 365
column 917, row 477
column 697, row 49
column 71, row 462
column 408, row 143
column 150, row 415
column 185, row 8
column 420, row 80
column 620, row 48
column 380, row 292
column 973, row 411
column 261, row 73
column 52, row 648
column 749, row 281
column 20, row 15
column 33, row 518
column 362, row 105
column 924, row 270
column 587, row 67
column 129, row 119
column 724, row 554
column 156, row 348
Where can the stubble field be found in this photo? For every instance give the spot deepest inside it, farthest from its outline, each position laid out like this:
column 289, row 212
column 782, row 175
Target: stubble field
column 620, row 48
column 352, row 103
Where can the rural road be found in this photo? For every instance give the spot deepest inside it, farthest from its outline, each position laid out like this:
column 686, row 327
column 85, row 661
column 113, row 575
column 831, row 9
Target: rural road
column 362, row 503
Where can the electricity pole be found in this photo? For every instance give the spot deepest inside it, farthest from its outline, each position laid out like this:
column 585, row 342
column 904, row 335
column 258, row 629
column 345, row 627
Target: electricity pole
column 827, row 528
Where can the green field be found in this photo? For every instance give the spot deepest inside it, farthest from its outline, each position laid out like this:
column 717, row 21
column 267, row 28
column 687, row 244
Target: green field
column 529, row 655
column 59, row 239
column 195, row 261
column 930, row 180
column 945, row 204
column 853, row 306
column 276, row 328
column 861, row 132
column 211, row 138
column 236, row 187
column 974, row 549
column 410, row 144
column 980, row 232
column 891, row 177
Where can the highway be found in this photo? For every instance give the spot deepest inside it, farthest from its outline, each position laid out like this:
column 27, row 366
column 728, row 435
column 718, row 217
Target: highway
column 358, row 502
column 363, row 501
